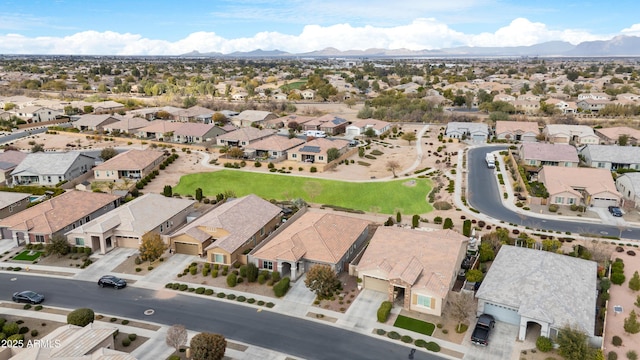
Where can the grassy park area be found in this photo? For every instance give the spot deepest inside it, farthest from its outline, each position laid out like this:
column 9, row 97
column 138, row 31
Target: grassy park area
column 407, row 196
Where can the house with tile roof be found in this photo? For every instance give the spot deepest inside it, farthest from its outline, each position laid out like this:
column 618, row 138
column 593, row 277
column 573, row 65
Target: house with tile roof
column 37, row 114
column 476, row 132
column 539, row 154
column 229, row 231
column 254, row 118
column 284, row 121
column 611, row 157
column 517, row 131
column 107, row 107
column 273, row 148
column 315, row 237
column 131, row 164
column 316, row 150
column 12, row 203
column 629, row 186
column 243, row 136
column 579, row 186
column 56, row 216
column 592, row 105
column 95, row 122
column 196, row 133
column 359, row 127
column 9, row 160
column 611, row 135
column 330, row 124
column 48, row 169
column 195, row 114
column 417, row 268
column 159, row 129
column 574, row 134
column 126, row 225
column 525, row 287
column 127, row 125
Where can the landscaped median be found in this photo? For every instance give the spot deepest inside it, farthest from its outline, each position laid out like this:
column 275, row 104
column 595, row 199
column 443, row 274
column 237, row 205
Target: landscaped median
column 429, row 345
column 209, row 292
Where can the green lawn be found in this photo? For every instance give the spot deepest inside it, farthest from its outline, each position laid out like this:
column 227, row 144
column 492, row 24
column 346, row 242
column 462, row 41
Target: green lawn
column 292, row 86
column 387, row 196
column 26, row 257
column 418, row 326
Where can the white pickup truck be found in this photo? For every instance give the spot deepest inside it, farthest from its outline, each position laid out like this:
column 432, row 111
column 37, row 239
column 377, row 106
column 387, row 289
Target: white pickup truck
column 491, row 161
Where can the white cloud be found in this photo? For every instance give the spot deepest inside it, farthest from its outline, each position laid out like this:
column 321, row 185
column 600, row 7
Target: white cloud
column 423, row 33
column 634, row 30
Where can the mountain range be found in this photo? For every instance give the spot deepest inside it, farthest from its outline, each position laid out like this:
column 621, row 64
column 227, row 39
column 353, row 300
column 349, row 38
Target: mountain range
column 619, row 46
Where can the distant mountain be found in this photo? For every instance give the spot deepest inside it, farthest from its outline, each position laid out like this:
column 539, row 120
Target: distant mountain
column 618, row 46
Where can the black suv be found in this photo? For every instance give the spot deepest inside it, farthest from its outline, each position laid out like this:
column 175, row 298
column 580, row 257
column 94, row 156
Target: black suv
column 483, row 327
column 112, row 281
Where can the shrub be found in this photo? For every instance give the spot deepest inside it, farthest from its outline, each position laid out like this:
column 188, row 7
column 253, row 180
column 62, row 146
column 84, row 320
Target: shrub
column 617, row 278
column 616, row 341
column 432, row 346
column 275, row 276
column 281, row 287
column 34, row 333
column 23, row 330
column 313, row 169
column 232, row 279
column 208, row 292
column 241, row 298
column 38, row 308
column 406, row 339
column 124, row 322
column 632, row 355
column 200, row 290
column 243, row 270
column 448, row 224
column 126, row 342
column 553, row 208
column 261, row 279
column 10, row 328
column 393, row 335
column 420, row 343
column 183, row 287
column 612, row 355
column 27, row 306
column 544, row 344
column 133, row 337
column 81, row 317
column 231, row 296
column 384, row 310
column 193, row 270
column 221, row 295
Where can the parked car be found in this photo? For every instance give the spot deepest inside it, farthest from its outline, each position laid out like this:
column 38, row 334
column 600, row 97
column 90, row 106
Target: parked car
column 615, row 211
column 112, row 281
column 28, row 296
column 480, row 335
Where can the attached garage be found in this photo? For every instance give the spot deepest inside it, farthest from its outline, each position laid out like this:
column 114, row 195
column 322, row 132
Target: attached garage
column 352, row 131
column 186, row 248
column 375, row 284
column 128, row 242
column 502, row 313
column 603, row 201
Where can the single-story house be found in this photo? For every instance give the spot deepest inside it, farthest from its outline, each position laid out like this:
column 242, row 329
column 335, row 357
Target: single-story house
column 150, row 113
column 196, row 133
column 358, row 128
column 611, row 157
column 107, row 107
column 316, row 237
column 127, row 125
column 316, row 150
column 273, row 147
column 629, row 186
column 243, row 136
column 517, row 130
column 12, row 203
column 95, row 122
column 524, row 287
column 289, row 121
column 227, row 232
column 132, row 164
column 330, row 124
column 126, row 225
column 252, row 118
column 51, row 168
column 56, row 216
column 576, row 134
column 159, row 130
column 308, row 94
column 9, row 160
column 580, row 186
column 476, row 132
column 416, row 267
column 611, row 135
column 539, row 154
column 195, row 114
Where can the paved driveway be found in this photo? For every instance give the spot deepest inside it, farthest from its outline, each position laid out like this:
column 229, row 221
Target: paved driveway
column 501, row 343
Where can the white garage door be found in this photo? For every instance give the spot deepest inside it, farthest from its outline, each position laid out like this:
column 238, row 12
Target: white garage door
column 479, row 138
column 375, row 284
column 353, row 132
column 503, row 314
column 603, row 202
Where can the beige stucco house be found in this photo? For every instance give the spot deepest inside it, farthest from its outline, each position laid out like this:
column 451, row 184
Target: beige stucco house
column 579, row 186
column 133, row 164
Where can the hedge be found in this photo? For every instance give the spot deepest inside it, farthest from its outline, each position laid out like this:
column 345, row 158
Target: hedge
column 281, row 287
column 384, row 310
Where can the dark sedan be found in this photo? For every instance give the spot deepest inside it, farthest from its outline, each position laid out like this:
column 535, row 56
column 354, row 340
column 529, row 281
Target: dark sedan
column 615, row 211
column 112, row 281
column 28, row 296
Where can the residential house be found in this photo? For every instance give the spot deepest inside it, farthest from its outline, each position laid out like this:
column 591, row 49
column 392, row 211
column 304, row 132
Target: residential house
column 49, row 169
column 594, row 96
column 330, row 124
column 611, row 157
column 504, row 97
column 611, row 135
column 526, row 106
column 628, row 97
column 591, row 105
column 517, row 130
column 95, row 122
column 12, row 203
column 243, row 136
column 575, row 134
column 107, row 107
column 196, row 133
column 417, row 268
column 37, row 114
column 316, row 237
column 476, row 132
column 289, row 121
column 239, row 96
column 127, row 125
column 9, row 160
column 308, row 94
column 629, row 186
column 159, row 130
column 132, row 164
column 253, row 118
column 195, row 114
column 151, row 113
column 126, row 225
column 316, row 150
column 273, row 147
column 225, row 233
column 56, row 216
column 579, row 186
column 541, row 154
column 525, row 287
column 359, row 127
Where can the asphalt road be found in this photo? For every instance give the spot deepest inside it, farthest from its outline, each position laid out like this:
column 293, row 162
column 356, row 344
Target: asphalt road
column 27, row 132
column 483, row 194
column 268, row 329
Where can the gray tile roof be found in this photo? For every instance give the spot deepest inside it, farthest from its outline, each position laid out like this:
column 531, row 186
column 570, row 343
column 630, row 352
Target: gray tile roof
column 554, row 288
column 48, row 163
column 613, row 153
column 549, row 152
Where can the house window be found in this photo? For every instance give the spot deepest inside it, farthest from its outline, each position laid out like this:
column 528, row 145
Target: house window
column 267, row 265
column 601, row 165
column 320, row 157
column 424, row 301
column 219, row 258
column 294, row 155
column 567, row 164
column 571, row 201
column 274, row 153
column 87, row 219
column 39, row 238
column 79, row 242
column 262, row 232
column 532, row 162
column 559, row 200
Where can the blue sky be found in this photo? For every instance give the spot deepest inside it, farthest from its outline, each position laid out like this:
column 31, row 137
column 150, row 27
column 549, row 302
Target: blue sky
column 140, row 27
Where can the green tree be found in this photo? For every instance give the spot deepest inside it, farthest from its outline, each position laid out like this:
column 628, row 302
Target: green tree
column 235, row 152
column 322, row 280
column 573, row 344
column 37, row 148
column 107, row 153
column 474, row 275
column 623, row 140
column 81, row 317
column 199, row 196
column 152, row 246
column 466, row 228
column 398, row 217
column 332, row 154
column 252, row 272
column 634, row 282
column 486, row 252
column 88, row 109
column 409, row 136
column 370, row 132
column 167, row 191
column 631, row 324
column 415, row 221
column 58, row 245
column 189, row 101
column 448, row 224
column 207, row 346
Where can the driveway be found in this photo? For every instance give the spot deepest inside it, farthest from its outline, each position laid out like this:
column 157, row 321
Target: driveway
column 501, row 343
